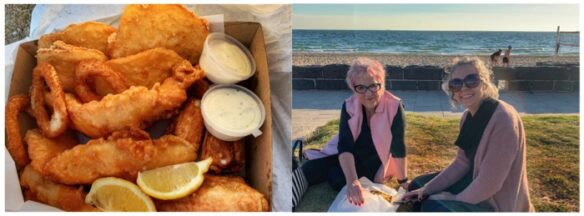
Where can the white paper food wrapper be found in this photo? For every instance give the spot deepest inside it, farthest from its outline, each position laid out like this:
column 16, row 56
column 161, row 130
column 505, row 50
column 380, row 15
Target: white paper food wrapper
column 47, row 19
column 12, row 184
column 373, row 203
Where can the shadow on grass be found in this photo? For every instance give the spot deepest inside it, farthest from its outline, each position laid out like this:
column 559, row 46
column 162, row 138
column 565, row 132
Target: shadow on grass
column 552, row 158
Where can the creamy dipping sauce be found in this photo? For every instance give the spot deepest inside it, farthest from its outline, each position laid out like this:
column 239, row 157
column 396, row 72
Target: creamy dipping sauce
column 225, row 60
column 232, row 109
column 231, row 57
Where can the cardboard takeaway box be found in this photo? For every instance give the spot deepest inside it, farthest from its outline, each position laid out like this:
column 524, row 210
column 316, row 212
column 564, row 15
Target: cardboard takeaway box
column 258, row 151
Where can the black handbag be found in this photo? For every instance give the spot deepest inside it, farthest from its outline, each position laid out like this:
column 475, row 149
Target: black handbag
column 299, row 184
column 297, row 160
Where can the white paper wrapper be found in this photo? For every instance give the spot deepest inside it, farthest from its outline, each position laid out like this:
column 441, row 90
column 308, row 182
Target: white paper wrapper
column 372, row 203
column 32, row 206
column 12, row 185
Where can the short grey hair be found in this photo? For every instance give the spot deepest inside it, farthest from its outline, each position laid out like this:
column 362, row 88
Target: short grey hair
column 363, row 65
column 485, row 75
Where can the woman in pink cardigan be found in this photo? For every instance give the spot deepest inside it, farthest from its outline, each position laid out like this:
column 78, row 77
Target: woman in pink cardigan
column 489, row 171
column 370, row 140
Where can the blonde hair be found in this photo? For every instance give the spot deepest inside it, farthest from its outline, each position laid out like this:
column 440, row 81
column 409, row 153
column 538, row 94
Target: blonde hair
column 485, row 75
column 362, row 66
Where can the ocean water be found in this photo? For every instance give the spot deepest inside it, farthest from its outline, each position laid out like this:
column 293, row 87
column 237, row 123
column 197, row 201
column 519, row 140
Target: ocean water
column 431, row 42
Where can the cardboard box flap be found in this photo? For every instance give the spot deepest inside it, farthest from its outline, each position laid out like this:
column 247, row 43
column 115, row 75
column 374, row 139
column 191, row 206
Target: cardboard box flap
column 260, row 167
column 25, row 62
column 244, row 32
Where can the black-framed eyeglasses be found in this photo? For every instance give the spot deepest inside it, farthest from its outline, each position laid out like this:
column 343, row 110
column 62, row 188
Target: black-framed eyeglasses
column 362, row 89
column 470, row 81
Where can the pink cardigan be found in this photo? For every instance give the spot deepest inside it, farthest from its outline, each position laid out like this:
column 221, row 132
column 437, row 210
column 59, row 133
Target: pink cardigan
column 499, row 171
column 380, row 130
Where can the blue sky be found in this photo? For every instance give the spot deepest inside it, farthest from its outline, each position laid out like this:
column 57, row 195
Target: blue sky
column 445, row 17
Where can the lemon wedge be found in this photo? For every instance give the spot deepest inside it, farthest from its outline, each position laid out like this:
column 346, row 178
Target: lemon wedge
column 174, row 181
column 115, row 194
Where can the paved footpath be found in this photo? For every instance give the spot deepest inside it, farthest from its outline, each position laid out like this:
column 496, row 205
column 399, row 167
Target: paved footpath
column 314, row 108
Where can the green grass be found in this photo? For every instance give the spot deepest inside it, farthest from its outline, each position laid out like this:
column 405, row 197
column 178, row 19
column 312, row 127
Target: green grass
column 552, row 157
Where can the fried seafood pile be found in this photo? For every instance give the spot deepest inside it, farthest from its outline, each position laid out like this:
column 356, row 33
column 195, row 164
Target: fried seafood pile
column 109, row 85
column 383, row 195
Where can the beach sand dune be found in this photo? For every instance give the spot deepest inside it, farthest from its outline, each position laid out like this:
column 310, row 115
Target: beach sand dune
column 305, row 59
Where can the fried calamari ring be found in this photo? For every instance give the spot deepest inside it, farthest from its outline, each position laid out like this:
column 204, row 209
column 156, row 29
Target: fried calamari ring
column 15, row 145
column 87, row 69
column 54, row 127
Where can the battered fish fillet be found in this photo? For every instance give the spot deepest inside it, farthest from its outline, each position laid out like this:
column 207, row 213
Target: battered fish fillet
column 174, row 27
column 65, row 57
column 42, row 149
column 136, row 107
column 228, row 157
column 122, row 155
column 93, row 35
column 142, row 69
column 171, row 150
column 219, row 193
column 189, row 123
column 68, row 198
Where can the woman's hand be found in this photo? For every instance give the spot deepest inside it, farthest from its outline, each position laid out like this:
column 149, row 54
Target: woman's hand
column 443, row 196
column 355, row 193
column 415, row 194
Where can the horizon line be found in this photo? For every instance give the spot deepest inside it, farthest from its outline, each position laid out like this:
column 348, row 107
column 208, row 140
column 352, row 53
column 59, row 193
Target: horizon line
column 429, row 30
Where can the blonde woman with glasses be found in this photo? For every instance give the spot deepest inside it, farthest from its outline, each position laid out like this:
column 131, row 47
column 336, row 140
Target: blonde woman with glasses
column 489, row 171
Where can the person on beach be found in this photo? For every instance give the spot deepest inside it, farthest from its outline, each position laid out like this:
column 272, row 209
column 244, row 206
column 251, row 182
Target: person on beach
column 489, row 170
column 495, row 57
column 370, row 142
column 507, row 57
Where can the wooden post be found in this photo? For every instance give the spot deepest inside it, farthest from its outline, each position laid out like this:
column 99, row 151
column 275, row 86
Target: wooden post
column 558, row 41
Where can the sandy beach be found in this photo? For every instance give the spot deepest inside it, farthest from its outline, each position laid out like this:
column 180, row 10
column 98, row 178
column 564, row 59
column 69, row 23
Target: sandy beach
column 304, row 59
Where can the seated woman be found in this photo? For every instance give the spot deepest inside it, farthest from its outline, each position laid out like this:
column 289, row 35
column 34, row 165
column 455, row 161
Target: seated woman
column 370, row 140
column 488, row 173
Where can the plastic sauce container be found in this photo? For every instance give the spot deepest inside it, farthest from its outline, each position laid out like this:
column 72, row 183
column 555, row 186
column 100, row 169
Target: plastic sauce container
column 225, row 60
column 231, row 112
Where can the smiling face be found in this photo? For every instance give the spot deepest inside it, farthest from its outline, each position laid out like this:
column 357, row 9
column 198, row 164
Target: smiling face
column 368, row 99
column 470, row 98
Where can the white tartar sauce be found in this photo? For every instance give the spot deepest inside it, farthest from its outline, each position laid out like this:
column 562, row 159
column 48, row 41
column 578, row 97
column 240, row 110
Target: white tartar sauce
column 232, row 109
column 231, row 57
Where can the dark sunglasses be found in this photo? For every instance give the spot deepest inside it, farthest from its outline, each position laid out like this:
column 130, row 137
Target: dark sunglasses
column 470, row 81
column 362, row 89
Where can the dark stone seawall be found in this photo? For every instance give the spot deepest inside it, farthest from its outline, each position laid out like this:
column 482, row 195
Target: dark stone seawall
column 564, row 78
